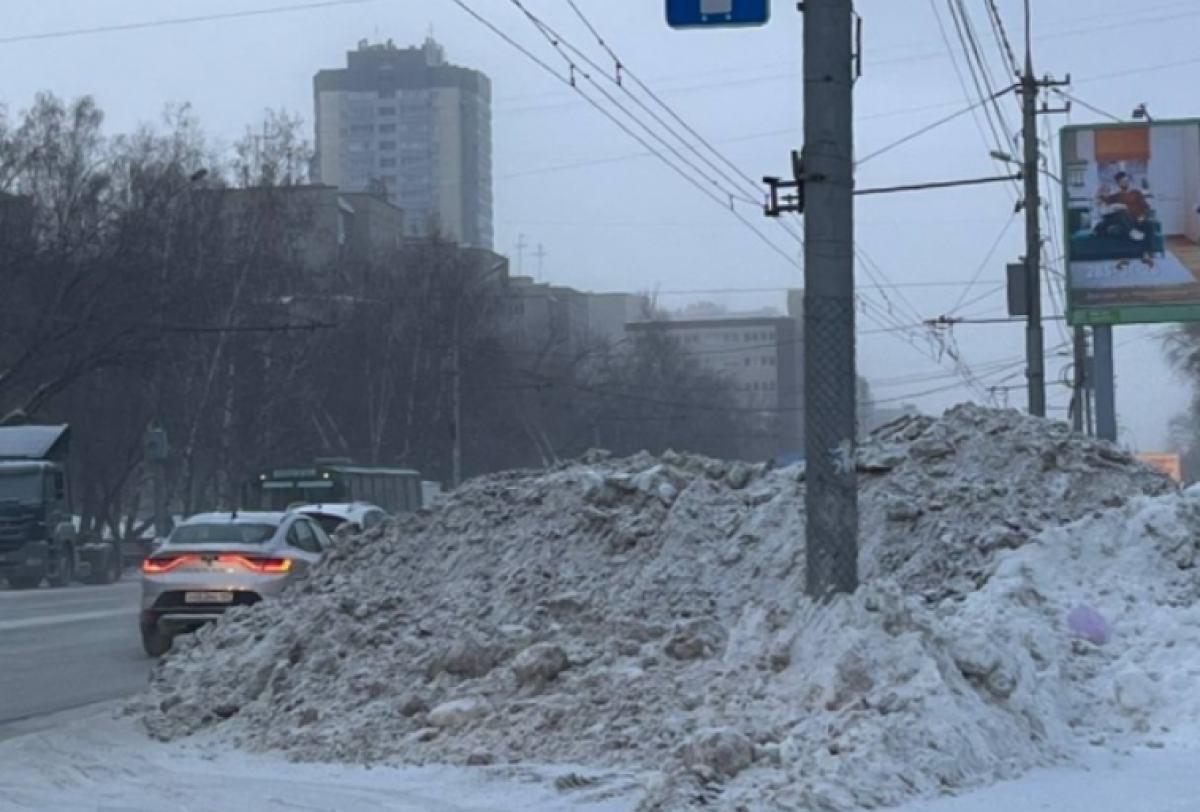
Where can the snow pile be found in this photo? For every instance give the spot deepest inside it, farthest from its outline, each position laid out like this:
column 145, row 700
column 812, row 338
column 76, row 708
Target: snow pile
column 647, row 613
column 962, row 488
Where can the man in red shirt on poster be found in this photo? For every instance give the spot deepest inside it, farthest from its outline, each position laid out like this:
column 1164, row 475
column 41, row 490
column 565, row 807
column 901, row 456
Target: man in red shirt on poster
column 1128, row 215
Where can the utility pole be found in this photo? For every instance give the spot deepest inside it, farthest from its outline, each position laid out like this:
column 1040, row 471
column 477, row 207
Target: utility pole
column 1080, row 383
column 456, row 405
column 826, row 172
column 1031, row 164
column 521, row 245
column 540, row 255
column 156, row 453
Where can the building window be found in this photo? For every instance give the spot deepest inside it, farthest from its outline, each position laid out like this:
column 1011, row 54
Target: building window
column 387, row 146
column 387, row 111
column 387, row 128
column 387, row 162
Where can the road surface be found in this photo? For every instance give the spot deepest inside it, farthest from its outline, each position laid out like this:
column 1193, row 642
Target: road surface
column 64, row 648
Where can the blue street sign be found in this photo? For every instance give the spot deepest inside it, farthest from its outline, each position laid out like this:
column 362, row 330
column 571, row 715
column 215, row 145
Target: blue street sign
column 717, row 13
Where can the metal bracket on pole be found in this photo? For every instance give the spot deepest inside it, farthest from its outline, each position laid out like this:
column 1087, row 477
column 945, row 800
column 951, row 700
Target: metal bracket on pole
column 777, row 203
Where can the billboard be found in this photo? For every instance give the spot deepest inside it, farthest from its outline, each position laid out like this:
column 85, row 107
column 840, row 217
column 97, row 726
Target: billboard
column 1131, row 202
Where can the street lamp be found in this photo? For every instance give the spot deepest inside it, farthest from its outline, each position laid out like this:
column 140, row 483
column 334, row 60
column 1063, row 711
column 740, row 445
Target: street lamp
column 155, row 447
column 456, row 371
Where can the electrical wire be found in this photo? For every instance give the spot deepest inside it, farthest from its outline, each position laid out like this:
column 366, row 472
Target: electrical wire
column 984, row 264
column 621, row 70
column 962, row 79
column 177, row 21
column 928, row 128
column 567, row 49
column 790, row 259
column 1007, row 52
column 1091, row 107
column 977, row 69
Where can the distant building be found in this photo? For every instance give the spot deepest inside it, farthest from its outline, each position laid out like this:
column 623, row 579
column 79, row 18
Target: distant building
column 608, row 313
column 405, row 119
column 550, row 320
column 761, row 355
column 323, row 227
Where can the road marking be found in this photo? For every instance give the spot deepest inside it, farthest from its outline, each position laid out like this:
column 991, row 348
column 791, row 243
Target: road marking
column 62, row 620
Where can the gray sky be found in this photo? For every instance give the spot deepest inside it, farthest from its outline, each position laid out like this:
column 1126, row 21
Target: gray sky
column 611, row 217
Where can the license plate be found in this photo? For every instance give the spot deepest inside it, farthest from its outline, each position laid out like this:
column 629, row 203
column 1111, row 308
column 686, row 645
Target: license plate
column 208, row 597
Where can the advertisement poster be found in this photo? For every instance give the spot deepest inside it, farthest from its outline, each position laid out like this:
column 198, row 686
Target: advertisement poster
column 1131, row 199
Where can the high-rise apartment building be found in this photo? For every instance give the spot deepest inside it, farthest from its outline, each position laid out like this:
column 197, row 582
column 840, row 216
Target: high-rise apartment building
column 406, row 121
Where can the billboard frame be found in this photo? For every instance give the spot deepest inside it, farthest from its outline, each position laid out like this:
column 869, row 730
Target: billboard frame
column 1124, row 314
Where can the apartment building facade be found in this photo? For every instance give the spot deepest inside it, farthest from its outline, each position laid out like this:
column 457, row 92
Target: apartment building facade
column 762, row 355
column 406, row 121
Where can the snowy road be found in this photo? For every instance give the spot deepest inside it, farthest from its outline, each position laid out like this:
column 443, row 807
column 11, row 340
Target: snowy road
column 90, row 761
column 64, row 648
column 94, row 763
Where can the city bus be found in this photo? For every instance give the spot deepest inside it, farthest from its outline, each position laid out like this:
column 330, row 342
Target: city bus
column 396, row 490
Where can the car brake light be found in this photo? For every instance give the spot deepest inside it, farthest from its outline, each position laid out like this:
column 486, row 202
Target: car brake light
column 272, row 566
column 158, row 566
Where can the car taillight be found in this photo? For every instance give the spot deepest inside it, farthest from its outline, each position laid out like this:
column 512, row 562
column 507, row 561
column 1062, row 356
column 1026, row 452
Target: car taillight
column 270, row 566
column 157, row 566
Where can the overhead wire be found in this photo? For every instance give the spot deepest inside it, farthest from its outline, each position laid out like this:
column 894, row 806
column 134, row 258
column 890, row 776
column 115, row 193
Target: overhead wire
column 528, row 54
column 622, row 70
column 984, row 264
column 177, row 21
column 563, row 45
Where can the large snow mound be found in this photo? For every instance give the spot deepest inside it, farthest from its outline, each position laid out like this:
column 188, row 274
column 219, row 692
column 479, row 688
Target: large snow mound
column 648, row 613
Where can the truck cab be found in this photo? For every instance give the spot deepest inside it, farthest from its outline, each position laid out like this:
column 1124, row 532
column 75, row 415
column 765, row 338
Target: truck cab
column 38, row 538
column 37, row 534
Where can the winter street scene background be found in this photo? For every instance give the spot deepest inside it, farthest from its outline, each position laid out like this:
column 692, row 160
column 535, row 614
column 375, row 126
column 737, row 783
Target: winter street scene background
column 409, row 407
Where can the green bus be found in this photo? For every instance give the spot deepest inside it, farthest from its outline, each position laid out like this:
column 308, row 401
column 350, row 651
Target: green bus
column 396, row 490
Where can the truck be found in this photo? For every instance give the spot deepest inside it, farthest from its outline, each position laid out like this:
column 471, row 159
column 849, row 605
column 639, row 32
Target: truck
column 333, row 481
column 38, row 537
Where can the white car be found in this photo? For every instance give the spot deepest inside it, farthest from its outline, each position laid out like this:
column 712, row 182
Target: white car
column 215, row 561
column 341, row 518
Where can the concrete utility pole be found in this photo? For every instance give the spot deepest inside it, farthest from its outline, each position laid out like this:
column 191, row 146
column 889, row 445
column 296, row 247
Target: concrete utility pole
column 1031, row 166
column 830, row 374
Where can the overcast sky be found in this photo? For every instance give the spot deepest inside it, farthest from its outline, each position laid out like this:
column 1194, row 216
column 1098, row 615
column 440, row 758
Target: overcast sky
column 611, row 216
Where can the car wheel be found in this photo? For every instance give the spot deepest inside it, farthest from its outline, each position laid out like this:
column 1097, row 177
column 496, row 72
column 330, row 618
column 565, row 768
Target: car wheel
column 66, row 568
column 156, row 641
column 107, row 567
column 116, row 567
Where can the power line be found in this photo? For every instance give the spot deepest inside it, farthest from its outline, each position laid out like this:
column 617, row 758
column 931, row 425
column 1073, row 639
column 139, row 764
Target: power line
column 622, row 70
column 1122, row 21
column 986, row 263
column 1091, row 107
column 885, row 317
column 177, row 21
column 792, row 131
column 962, row 80
column 928, row 128
column 791, row 260
column 1007, row 52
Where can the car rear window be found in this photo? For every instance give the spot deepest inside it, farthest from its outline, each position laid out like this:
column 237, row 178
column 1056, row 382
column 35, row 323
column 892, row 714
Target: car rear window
column 222, row 533
column 329, row 523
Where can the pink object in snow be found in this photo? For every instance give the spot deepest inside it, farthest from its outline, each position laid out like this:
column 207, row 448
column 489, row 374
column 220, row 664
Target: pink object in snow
column 1087, row 623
